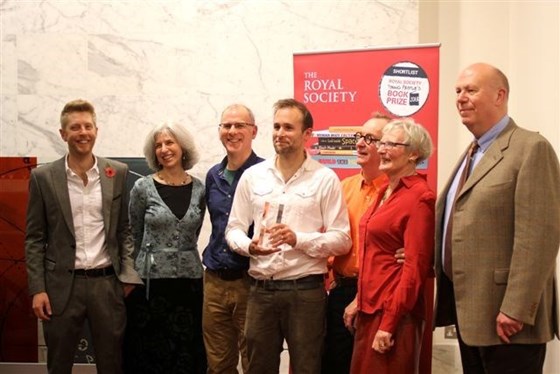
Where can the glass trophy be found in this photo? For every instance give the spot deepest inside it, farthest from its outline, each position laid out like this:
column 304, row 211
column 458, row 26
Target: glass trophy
column 272, row 214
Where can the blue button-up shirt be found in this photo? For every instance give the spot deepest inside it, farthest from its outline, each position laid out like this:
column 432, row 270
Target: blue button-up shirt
column 483, row 144
column 219, row 198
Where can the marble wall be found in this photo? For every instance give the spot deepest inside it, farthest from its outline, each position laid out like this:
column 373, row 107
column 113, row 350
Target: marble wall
column 145, row 62
column 142, row 62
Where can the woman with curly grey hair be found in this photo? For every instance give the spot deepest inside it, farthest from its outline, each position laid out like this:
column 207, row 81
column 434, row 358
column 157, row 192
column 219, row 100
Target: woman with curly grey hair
column 164, row 330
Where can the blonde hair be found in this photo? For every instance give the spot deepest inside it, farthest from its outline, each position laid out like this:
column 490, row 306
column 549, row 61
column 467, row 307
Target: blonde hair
column 74, row 106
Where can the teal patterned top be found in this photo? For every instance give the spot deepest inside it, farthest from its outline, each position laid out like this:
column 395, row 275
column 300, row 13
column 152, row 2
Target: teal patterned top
column 165, row 246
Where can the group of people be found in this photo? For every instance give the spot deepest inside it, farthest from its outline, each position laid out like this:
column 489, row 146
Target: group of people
column 130, row 266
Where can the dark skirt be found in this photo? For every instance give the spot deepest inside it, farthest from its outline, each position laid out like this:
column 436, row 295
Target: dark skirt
column 164, row 334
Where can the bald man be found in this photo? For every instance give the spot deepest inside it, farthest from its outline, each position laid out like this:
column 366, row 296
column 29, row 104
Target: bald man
column 495, row 272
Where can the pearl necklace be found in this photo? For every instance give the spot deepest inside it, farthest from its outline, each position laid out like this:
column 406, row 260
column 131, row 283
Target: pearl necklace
column 182, row 183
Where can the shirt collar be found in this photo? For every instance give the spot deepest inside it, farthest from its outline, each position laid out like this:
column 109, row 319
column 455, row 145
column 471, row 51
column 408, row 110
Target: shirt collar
column 376, row 182
column 69, row 172
column 308, row 163
column 411, row 180
column 485, row 140
column 248, row 163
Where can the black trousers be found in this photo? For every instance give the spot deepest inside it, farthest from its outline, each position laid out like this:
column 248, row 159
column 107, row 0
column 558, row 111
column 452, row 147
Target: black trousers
column 499, row 359
column 502, row 359
column 164, row 334
column 339, row 343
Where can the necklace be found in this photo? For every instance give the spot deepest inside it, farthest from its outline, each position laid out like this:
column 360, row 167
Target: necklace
column 167, row 181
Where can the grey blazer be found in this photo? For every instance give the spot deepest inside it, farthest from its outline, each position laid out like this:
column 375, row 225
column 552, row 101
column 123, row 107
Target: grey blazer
column 506, row 234
column 50, row 244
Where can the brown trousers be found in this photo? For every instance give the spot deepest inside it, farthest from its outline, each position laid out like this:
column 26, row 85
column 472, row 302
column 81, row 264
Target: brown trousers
column 223, row 323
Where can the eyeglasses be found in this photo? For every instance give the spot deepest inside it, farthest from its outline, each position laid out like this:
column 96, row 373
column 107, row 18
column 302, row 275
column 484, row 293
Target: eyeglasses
column 367, row 138
column 236, row 125
column 389, row 145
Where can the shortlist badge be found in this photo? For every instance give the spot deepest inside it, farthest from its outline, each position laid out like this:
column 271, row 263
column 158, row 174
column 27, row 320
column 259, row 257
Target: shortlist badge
column 404, row 89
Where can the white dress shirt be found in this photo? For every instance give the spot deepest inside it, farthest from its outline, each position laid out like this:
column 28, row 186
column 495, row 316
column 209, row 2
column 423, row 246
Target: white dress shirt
column 87, row 215
column 313, row 207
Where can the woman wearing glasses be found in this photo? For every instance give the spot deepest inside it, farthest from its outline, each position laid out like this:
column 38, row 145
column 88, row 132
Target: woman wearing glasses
column 390, row 299
column 164, row 327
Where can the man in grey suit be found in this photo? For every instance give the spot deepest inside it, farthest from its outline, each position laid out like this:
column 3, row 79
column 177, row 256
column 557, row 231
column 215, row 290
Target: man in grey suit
column 78, row 246
column 496, row 270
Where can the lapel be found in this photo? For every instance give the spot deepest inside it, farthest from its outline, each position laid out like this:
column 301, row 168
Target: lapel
column 107, row 184
column 491, row 158
column 60, row 182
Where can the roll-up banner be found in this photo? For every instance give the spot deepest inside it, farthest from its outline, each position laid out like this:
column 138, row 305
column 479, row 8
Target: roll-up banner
column 343, row 89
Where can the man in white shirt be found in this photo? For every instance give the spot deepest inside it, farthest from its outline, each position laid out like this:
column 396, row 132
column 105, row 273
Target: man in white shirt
column 300, row 220
column 78, row 246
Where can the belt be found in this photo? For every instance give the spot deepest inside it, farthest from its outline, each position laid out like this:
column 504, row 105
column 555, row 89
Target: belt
column 345, row 281
column 228, row 274
column 305, row 283
column 94, row 273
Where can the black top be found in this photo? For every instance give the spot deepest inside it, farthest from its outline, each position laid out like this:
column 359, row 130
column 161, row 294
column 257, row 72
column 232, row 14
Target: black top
column 177, row 198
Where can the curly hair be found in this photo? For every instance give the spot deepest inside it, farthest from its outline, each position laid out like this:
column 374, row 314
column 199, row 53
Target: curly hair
column 183, row 138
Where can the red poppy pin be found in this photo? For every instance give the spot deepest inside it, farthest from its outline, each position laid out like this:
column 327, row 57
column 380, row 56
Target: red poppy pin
column 110, row 172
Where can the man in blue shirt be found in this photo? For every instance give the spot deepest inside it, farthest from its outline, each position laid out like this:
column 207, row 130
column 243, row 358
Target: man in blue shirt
column 226, row 284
